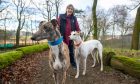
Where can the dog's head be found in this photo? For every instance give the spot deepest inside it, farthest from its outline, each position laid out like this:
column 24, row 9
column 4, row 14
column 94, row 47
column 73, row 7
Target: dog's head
column 75, row 35
column 46, row 31
column 54, row 23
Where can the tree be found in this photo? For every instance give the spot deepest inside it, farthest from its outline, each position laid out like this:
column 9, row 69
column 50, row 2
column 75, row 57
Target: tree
column 114, row 18
column 136, row 31
column 94, row 17
column 3, row 5
column 121, row 21
column 49, row 8
column 20, row 9
column 86, row 22
column 5, row 30
column 103, row 22
column 57, row 6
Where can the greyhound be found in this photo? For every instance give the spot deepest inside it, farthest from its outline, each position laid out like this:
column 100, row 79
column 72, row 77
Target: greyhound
column 83, row 49
column 59, row 53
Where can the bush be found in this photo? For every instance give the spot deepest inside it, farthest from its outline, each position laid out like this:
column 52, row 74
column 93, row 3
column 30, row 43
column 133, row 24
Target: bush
column 33, row 49
column 9, row 57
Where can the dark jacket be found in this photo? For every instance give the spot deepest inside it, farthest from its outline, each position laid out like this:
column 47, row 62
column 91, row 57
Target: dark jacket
column 67, row 24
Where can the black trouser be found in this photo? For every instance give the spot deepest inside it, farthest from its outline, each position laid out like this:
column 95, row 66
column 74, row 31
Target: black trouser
column 71, row 53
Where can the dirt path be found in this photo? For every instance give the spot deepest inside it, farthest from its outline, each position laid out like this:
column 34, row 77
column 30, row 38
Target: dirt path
column 34, row 69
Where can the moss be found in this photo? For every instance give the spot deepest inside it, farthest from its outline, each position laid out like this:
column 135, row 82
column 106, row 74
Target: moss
column 107, row 57
column 33, row 49
column 131, row 62
column 9, row 57
column 127, row 65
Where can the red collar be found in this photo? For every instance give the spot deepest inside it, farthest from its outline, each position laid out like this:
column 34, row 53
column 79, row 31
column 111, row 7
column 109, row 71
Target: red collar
column 77, row 45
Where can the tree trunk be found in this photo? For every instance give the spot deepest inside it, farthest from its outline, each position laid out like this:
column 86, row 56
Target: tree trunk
column 136, row 30
column 94, row 17
column 57, row 9
column 127, row 65
column 5, row 34
column 26, row 38
column 17, row 36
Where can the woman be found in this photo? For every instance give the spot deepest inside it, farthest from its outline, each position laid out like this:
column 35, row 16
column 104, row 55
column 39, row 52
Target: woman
column 68, row 23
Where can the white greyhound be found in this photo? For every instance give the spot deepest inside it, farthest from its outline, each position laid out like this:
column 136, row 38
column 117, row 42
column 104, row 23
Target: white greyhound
column 83, row 49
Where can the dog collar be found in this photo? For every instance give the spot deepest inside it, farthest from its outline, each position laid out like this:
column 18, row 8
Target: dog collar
column 57, row 42
column 78, row 44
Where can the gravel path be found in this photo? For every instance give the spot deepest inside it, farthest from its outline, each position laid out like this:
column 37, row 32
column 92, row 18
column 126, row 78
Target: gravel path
column 34, row 69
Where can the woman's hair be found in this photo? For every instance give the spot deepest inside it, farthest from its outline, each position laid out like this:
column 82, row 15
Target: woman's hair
column 70, row 5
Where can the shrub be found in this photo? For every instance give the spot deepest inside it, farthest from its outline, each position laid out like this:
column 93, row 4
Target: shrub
column 33, row 49
column 9, row 57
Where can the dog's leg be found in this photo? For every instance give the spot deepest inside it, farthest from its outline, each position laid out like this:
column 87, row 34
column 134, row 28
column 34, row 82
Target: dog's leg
column 93, row 53
column 56, row 78
column 77, row 63
column 64, row 77
column 97, row 57
column 100, row 55
column 84, row 66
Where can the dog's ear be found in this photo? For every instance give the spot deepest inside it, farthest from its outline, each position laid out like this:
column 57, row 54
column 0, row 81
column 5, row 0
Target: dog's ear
column 41, row 23
column 54, row 23
column 81, row 34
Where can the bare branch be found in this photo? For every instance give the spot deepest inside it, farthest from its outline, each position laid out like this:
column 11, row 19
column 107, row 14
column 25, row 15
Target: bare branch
column 44, row 15
column 23, row 23
column 4, row 8
column 134, row 7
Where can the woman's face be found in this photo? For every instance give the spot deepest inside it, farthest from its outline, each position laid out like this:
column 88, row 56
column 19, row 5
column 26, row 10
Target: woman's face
column 69, row 10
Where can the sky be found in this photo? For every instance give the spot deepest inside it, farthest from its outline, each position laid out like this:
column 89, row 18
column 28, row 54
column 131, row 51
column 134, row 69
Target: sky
column 106, row 4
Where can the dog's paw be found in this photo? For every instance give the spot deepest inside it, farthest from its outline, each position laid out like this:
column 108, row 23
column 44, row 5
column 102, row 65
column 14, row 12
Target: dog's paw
column 53, row 76
column 76, row 76
column 101, row 69
column 83, row 73
column 93, row 65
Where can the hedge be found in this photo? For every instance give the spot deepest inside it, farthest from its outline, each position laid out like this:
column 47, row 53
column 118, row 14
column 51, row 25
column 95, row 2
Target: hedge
column 10, row 57
column 33, row 49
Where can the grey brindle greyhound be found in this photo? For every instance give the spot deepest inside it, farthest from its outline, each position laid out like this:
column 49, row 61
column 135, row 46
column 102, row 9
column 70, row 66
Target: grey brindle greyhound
column 59, row 53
